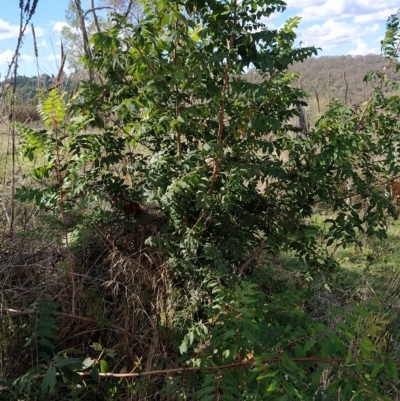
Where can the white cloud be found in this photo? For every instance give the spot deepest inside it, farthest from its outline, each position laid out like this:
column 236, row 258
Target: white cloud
column 372, row 29
column 376, row 16
column 330, row 9
column 43, row 43
column 38, row 31
column 376, row 5
column 269, row 23
column 361, row 10
column 54, row 57
column 304, row 3
column 328, row 35
column 58, row 26
column 333, row 24
column 362, row 48
column 7, row 30
column 6, row 57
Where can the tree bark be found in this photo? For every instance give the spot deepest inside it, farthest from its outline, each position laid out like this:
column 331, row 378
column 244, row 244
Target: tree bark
column 85, row 37
column 95, row 20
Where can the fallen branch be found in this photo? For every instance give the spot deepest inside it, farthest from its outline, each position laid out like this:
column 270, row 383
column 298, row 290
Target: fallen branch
column 330, row 361
column 247, row 364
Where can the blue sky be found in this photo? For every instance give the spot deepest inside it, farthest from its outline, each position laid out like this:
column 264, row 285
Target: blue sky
column 47, row 21
column 339, row 27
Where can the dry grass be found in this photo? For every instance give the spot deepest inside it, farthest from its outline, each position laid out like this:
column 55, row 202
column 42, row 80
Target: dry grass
column 123, row 294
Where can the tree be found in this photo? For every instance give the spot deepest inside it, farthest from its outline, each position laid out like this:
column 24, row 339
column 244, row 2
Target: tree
column 73, row 37
column 83, row 23
column 230, row 180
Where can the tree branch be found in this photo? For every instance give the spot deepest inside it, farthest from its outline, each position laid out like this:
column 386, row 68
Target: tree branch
column 245, row 364
column 95, row 20
column 92, row 10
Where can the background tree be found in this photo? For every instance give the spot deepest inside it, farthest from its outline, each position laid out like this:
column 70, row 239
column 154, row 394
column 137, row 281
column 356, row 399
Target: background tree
column 82, row 23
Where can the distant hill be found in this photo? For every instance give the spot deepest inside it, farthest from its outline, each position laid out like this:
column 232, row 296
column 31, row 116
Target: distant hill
column 325, row 75
column 26, row 95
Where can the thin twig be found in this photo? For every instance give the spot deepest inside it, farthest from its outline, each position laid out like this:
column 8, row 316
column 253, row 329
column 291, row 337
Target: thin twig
column 95, row 20
column 91, row 10
column 346, row 86
column 317, row 97
column 255, row 255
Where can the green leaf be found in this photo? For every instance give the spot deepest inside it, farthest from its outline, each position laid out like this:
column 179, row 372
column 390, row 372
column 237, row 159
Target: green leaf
column 94, row 374
column 391, row 370
column 103, row 366
column 270, row 373
column 377, row 367
column 97, row 347
column 208, row 398
column 316, row 376
column 273, row 386
column 69, row 374
column 45, row 343
column 60, row 361
column 300, row 352
column 346, row 390
column 228, row 334
column 360, row 311
column 309, row 345
column 366, row 346
column 258, row 369
column 349, row 357
column 204, row 391
column 49, row 381
column 87, row 363
column 334, row 386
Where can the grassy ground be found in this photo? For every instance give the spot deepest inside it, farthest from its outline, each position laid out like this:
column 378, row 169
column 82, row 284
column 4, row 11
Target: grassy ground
column 5, row 158
column 370, row 274
column 6, row 155
column 376, row 259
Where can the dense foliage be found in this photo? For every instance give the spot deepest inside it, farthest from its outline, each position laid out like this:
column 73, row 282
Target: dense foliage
column 229, row 177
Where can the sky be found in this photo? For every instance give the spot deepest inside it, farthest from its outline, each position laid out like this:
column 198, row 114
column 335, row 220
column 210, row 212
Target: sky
column 339, row 27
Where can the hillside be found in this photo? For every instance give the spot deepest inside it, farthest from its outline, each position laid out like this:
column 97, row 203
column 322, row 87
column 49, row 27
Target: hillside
column 325, row 75
column 26, row 96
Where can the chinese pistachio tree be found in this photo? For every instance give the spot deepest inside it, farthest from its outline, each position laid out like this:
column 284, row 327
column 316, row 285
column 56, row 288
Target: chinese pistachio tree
column 233, row 177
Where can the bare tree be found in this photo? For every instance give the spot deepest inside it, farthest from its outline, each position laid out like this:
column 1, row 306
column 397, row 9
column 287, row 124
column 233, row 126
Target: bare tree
column 82, row 23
